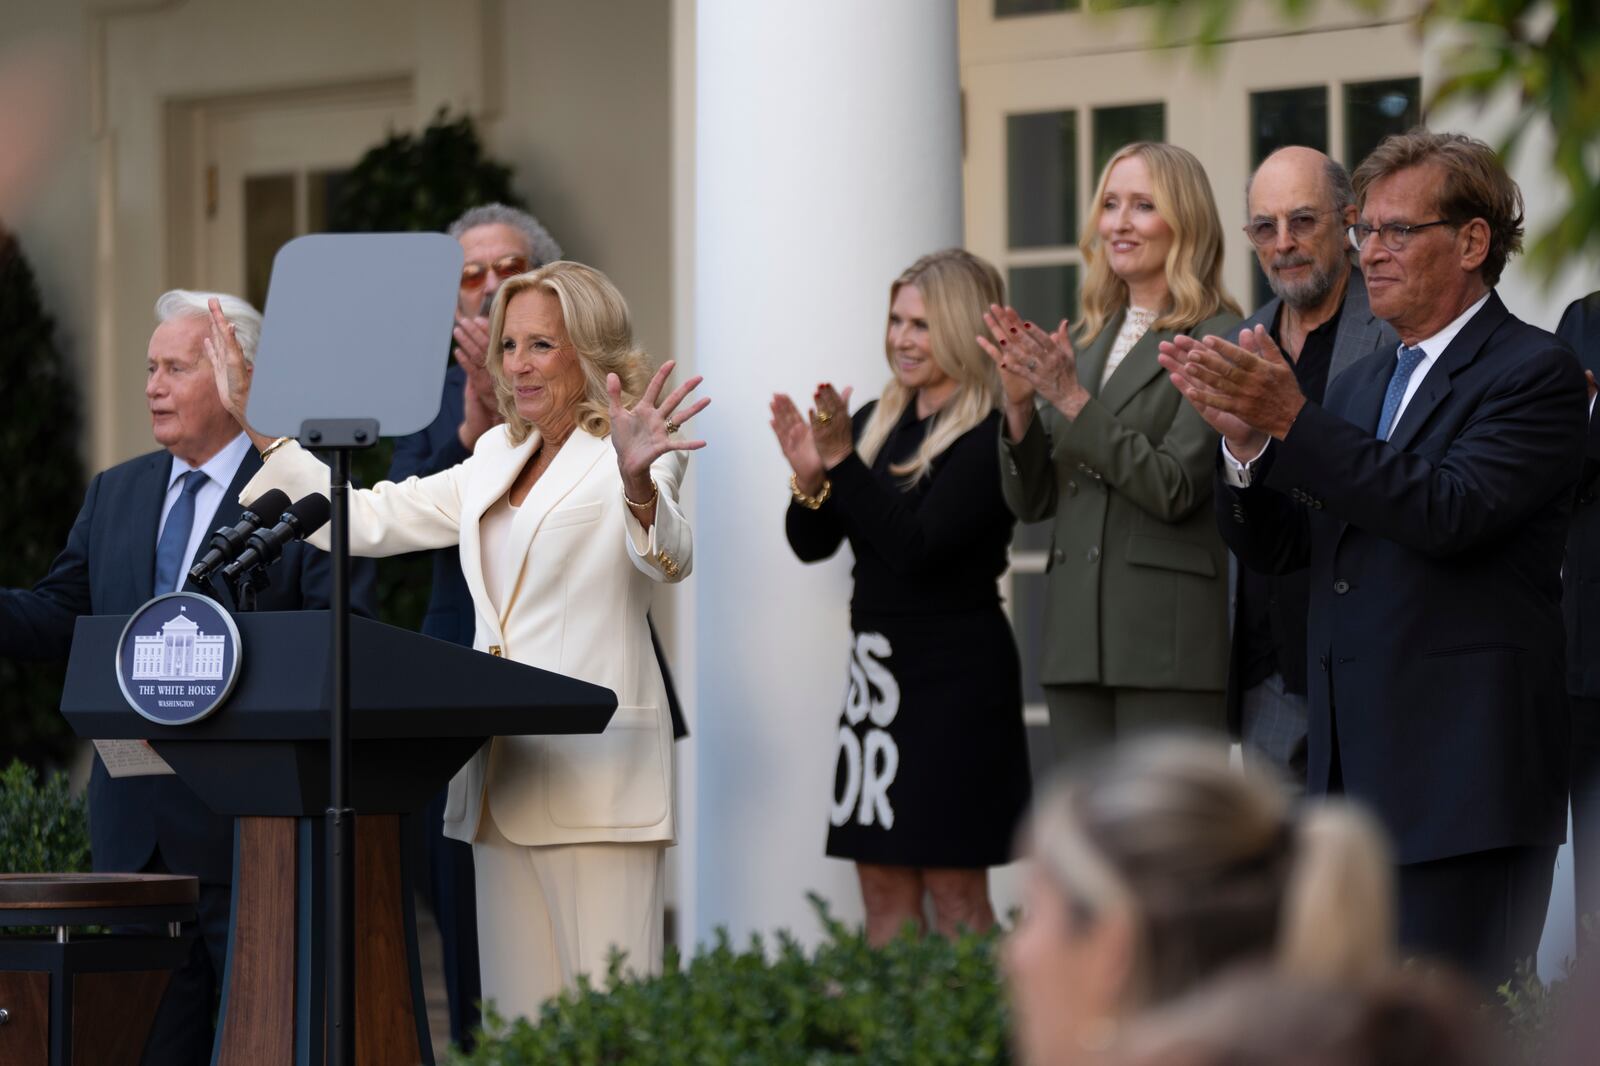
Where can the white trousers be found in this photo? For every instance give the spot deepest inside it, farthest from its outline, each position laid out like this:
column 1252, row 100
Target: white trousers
column 547, row 914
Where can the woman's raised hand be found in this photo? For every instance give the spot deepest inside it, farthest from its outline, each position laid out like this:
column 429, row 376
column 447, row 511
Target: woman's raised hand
column 230, row 370
column 644, row 433
column 1046, row 362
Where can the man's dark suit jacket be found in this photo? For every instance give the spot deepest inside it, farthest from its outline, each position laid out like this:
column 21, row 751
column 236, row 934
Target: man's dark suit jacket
column 108, row 567
column 1435, row 644
column 1360, row 333
column 450, row 616
column 1580, row 327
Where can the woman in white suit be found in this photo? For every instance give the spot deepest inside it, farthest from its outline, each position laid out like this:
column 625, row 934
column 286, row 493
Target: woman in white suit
column 567, row 517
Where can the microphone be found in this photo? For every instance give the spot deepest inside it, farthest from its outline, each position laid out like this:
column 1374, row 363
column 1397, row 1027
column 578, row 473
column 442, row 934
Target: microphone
column 226, row 542
column 308, row 515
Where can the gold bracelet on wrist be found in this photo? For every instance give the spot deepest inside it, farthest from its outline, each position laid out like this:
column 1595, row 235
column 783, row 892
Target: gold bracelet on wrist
column 266, row 453
column 811, row 503
column 645, row 505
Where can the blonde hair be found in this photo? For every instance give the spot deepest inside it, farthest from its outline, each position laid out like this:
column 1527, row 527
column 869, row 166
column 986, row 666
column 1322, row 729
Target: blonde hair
column 596, row 319
column 957, row 288
column 1213, row 869
column 1182, row 195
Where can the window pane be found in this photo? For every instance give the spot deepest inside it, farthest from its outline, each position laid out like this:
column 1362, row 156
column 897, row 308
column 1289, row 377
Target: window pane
column 1375, row 109
column 1027, row 621
column 1116, row 126
column 1045, row 294
column 1006, row 8
column 1042, row 178
column 322, row 190
column 1288, row 116
column 268, row 225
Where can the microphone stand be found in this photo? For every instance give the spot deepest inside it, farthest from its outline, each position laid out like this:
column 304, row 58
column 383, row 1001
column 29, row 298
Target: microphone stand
column 338, row 437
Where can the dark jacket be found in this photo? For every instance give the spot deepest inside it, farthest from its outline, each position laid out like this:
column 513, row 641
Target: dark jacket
column 1435, row 646
column 1580, row 327
column 108, row 567
column 1360, row 333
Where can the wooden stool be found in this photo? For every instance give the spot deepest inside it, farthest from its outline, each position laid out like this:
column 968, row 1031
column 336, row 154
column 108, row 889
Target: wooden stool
column 91, row 1000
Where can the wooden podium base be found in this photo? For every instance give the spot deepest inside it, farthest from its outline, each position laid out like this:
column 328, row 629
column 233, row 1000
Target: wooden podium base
column 273, row 1007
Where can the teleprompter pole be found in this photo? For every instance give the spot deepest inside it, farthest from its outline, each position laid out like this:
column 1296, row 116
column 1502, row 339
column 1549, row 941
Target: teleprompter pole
column 341, row 819
column 340, row 437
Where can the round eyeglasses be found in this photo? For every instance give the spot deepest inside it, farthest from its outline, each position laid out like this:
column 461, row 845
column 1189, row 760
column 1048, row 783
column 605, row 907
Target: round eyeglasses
column 1392, row 235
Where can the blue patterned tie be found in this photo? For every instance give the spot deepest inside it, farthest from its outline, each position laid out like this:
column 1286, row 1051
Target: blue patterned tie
column 174, row 543
column 1405, row 366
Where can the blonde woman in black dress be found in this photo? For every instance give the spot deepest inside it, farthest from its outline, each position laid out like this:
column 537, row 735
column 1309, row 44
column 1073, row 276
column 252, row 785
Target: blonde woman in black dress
column 932, row 772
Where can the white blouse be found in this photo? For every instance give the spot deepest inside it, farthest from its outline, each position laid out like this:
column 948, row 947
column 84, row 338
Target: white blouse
column 1134, row 325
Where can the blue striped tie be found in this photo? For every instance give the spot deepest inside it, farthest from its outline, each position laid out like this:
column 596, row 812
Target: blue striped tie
column 174, row 543
column 1405, row 366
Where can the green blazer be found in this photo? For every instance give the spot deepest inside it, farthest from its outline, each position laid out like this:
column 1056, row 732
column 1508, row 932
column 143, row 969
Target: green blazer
column 1138, row 576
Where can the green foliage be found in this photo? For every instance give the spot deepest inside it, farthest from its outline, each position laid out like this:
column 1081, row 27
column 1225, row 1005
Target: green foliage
column 39, row 453
column 414, row 183
column 926, row 1001
column 1543, row 55
column 1538, row 1015
column 43, row 829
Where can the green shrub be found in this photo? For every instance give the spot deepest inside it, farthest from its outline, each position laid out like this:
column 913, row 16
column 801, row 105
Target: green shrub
column 43, row 829
column 919, row 1000
column 44, row 484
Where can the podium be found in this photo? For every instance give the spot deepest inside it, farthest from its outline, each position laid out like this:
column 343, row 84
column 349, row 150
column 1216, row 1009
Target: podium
column 419, row 709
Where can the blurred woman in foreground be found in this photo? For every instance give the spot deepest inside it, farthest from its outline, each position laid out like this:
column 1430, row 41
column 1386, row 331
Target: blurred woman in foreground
column 1158, row 867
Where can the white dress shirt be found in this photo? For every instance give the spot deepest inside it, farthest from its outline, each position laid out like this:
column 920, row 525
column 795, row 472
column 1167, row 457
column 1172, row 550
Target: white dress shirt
column 1238, row 474
column 220, row 470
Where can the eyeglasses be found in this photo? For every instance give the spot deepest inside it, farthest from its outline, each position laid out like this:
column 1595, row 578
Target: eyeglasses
column 475, row 274
column 1301, row 225
column 1393, row 235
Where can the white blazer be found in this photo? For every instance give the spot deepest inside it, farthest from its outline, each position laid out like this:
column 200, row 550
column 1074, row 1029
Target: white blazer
column 587, row 574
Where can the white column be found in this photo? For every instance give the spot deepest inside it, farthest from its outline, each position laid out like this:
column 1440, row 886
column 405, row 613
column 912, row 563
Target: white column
column 827, row 158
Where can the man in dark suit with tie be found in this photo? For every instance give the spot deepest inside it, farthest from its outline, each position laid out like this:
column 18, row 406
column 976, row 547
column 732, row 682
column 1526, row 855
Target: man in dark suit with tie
column 1300, row 203
column 1580, row 579
column 143, row 524
column 1429, row 497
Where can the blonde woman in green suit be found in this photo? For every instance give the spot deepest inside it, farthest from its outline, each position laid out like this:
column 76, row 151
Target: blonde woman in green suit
column 1135, row 629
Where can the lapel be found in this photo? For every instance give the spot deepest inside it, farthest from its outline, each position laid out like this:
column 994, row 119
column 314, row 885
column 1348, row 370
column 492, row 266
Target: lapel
column 570, row 466
column 493, row 483
column 1092, row 360
column 1436, row 386
column 1359, row 334
column 1136, row 370
column 149, row 490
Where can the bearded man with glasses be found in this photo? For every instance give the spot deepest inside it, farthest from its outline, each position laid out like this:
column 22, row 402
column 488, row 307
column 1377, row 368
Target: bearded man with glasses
column 1299, row 203
column 1429, row 496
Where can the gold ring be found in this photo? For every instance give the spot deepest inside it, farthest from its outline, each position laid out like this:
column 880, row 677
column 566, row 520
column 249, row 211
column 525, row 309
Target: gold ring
column 672, row 427
column 823, row 418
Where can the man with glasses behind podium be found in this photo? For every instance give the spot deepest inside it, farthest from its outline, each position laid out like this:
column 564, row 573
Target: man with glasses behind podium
column 1429, row 496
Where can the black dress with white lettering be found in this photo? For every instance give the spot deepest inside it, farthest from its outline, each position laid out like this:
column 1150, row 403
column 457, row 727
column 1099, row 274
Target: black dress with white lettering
column 932, row 763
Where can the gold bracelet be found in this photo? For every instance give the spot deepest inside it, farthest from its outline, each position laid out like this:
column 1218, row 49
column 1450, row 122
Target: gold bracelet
column 266, row 453
column 810, row 503
column 647, row 504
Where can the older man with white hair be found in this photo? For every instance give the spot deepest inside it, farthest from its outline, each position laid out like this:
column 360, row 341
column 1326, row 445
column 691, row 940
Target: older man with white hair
column 143, row 524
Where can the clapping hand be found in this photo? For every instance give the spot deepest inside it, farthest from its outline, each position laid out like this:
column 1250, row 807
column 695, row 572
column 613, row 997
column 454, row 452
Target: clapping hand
column 644, row 433
column 1028, row 356
column 480, row 408
column 1245, row 391
column 830, row 425
column 799, row 447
